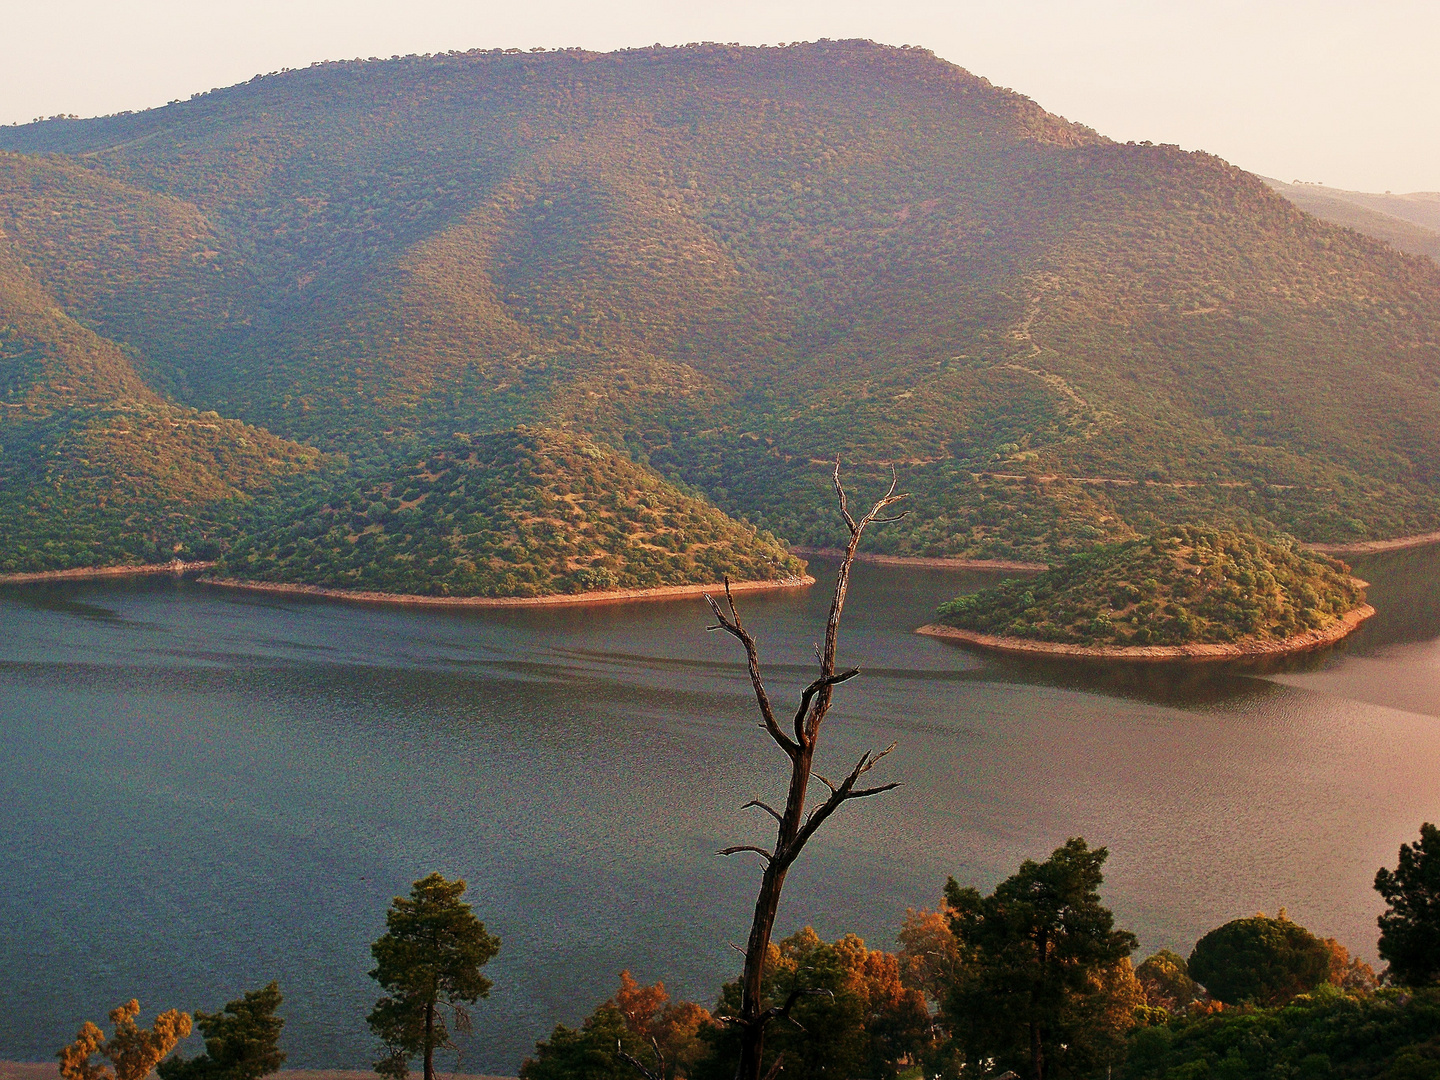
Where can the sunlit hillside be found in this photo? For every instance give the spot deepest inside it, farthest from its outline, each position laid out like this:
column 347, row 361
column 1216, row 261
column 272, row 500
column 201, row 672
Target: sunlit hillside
column 735, row 264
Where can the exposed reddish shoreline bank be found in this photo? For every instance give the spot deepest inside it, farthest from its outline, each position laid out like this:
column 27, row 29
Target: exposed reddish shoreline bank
column 1359, row 547
column 663, row 592
column 927, row 562
column 1012, row 646
column 1373, row 547
column 175, row 566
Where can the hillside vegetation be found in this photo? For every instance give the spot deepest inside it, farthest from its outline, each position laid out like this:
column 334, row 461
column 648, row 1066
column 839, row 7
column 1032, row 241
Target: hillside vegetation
column 1180, row 586
column 733, row 265
column 525, row 512
column 113, row 486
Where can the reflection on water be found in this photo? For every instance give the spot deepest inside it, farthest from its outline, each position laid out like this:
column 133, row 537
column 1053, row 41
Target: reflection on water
column 207, row 790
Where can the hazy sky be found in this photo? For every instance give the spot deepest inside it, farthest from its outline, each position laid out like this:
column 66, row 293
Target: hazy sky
column 1343, row 93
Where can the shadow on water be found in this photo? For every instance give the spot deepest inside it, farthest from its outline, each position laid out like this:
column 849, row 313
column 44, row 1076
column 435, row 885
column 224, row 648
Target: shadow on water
column 1405, row 592
column 59, row 597
column 1179, row 685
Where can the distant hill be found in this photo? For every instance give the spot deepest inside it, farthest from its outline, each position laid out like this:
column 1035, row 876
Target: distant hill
column 1408, row 223
column 732, row 265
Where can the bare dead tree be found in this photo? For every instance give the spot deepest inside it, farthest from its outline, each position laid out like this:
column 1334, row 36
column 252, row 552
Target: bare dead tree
column 794, row 826
column 646, row 1073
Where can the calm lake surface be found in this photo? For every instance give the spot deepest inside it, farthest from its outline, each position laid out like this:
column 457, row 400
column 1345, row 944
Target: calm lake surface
column 205, row 790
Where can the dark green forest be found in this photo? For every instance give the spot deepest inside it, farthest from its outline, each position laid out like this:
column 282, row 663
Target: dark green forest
column 728, row 265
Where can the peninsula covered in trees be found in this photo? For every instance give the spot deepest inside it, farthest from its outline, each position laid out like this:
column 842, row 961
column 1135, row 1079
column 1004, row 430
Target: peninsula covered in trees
column 229, row 323
column 523, row 512
column 1181, row 586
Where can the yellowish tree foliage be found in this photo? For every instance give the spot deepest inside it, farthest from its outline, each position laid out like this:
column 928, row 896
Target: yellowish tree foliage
column 930, row 958
column 132, row 1051
column 1349, row 973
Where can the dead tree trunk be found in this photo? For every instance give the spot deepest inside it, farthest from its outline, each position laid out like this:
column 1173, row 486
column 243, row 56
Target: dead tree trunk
column 794, row 826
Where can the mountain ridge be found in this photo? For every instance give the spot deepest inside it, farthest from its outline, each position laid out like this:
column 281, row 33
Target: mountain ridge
column 733, row 265
column 1409, row 223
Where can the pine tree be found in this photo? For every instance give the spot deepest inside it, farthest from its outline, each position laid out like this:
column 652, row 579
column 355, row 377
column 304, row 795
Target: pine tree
column 242, row 1041
column 428, row 962
column 1046, row 973
column 1410, row 929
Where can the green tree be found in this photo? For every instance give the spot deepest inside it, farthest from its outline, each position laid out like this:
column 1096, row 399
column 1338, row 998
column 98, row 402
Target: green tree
column 1327, row 1035
column 1410, row 928
column 1047, row 979
column 1260, row 960
column 590, row 1053
column 242, row 1041
column 428, row 961
column 849, row 1012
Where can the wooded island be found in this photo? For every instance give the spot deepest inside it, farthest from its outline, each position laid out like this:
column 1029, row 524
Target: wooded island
column 1185, row 591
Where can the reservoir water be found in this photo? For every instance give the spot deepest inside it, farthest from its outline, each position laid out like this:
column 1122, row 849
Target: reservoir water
column 204, row 790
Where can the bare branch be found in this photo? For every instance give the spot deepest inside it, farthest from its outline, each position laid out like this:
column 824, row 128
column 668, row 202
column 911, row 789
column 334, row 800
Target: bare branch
column 840, row 495
column 462, row 1019
column 821, row 704
column 775, row 1068
column 746, row 847
column 794, row 827
column 638, row 1066
column 839, row 794
column 776, row 1011
column 763, row 806
column 822, row 683
column 868, row 762
column 735, row 629
column 864, row 793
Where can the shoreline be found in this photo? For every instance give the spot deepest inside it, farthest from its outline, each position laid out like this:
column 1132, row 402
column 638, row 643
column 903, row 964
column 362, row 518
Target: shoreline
column 609, row 596
column 1374, row 547
column 179, row 566
column 1342, row 628
column 927, row 562
column 85, row 573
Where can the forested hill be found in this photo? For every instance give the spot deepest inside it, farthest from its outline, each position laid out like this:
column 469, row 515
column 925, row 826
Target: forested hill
column 734, row 264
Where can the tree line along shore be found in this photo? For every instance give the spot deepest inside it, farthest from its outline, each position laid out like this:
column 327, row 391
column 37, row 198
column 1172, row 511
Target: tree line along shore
column 1033, row 979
